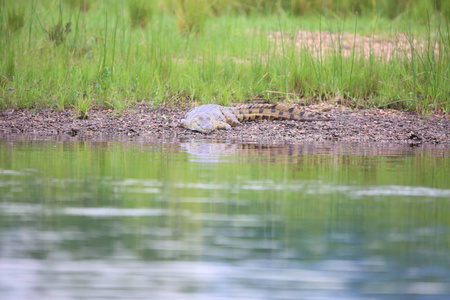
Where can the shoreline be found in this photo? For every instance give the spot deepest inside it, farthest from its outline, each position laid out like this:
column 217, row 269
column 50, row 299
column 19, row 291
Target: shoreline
column 142, row 122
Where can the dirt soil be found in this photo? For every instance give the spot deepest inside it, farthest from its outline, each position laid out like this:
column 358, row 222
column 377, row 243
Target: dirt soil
column 144, row 123
column 325, row 42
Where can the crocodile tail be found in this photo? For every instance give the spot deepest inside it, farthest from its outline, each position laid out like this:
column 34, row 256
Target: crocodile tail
column 275, row 111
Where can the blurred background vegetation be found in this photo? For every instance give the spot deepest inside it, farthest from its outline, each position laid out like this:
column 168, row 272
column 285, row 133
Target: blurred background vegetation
column 142, row 9
column 192, row 13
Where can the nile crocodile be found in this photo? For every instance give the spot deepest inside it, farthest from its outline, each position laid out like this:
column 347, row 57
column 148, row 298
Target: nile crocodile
column 209, row 117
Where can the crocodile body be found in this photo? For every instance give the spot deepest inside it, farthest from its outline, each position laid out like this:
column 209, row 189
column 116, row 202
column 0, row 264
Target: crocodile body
column 209, row 117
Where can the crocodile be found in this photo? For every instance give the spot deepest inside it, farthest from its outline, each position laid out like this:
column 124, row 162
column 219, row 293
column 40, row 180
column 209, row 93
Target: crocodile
column 208, row 117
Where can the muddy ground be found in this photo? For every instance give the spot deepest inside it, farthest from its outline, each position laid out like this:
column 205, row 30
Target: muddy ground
column 144, row 123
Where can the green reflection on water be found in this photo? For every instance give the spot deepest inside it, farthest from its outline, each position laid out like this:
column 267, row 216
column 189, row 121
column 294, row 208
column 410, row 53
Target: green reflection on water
column 387, row 210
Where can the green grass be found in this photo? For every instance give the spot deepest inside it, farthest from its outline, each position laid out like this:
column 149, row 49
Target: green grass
column 55, row 53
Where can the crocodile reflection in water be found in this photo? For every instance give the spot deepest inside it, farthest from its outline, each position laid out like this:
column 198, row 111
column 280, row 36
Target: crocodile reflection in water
column 209, row 117
column 220, row 151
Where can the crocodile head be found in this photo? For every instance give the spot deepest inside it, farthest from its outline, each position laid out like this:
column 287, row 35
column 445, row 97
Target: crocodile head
column 202, row 124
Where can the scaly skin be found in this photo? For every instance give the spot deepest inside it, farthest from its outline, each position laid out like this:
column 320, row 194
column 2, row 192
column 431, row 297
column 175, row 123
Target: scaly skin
column 209, row 117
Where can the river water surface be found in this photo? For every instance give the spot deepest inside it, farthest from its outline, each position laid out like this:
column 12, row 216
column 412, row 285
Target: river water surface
column 218, row 220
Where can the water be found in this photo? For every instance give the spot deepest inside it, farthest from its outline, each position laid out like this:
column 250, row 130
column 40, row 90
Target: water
column 202, row 220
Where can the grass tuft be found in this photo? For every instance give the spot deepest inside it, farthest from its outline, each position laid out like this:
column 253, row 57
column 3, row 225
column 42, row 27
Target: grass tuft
column 82, row 106
column 58, row 33
column 192, row 14
column 140, row 12
column 15, row 20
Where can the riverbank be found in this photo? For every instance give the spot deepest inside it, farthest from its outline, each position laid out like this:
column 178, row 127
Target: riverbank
column 147, row 123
